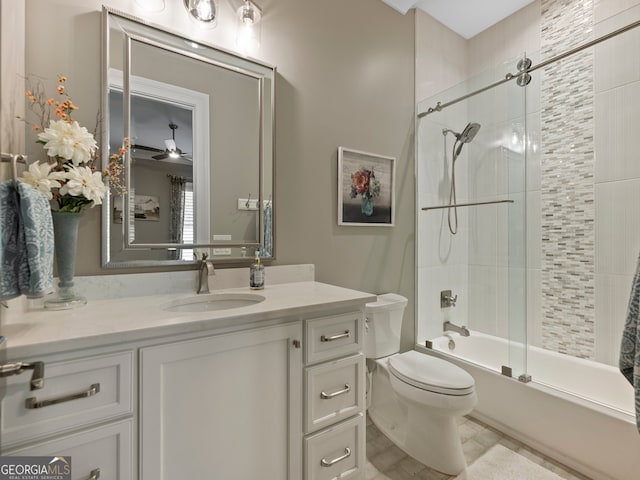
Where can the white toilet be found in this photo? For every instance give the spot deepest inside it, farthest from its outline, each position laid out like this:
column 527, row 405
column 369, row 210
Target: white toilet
column 414, row 398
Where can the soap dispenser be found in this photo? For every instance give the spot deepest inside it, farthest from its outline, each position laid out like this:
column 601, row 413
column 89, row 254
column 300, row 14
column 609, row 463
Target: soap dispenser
column 256, row 273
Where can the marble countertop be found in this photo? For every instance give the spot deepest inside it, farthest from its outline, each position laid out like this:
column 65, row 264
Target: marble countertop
column 114, row 321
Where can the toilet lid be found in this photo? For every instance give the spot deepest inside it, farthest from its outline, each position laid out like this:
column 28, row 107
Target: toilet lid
column 431, row 373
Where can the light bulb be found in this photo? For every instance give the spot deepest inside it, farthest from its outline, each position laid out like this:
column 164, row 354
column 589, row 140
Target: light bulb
column 248, row 14
column 248, row 35
column 203, row 11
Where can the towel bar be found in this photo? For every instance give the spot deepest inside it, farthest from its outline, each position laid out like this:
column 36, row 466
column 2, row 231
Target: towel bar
column 467, row 204
column 15, row 159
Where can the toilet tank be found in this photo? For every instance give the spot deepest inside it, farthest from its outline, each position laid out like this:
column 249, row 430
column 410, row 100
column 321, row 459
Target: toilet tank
column 383, row 325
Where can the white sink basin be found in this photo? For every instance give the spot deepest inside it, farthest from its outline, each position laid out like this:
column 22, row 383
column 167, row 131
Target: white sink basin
column 213, row 301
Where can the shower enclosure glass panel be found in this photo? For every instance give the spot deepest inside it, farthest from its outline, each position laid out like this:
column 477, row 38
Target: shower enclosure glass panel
column 484, row 263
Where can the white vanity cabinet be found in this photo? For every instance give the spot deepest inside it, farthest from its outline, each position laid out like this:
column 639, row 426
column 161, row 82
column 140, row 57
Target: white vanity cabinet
column 334, row 422
column 223, row 406
column 84, row 410
column 272, row 391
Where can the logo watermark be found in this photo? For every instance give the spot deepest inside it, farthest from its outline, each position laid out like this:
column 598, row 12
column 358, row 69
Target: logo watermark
column 35, row 468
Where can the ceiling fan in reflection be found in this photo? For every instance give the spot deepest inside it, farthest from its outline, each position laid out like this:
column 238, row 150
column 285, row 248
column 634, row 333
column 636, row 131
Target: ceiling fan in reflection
column 171, row 151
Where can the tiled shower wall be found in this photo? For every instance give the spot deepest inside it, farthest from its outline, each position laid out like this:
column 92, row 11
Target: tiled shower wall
column 617, row 170
column 590, row 179
column 567, row 188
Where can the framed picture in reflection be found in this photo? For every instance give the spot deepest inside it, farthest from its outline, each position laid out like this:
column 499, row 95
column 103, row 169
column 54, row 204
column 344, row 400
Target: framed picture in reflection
column 146, row 208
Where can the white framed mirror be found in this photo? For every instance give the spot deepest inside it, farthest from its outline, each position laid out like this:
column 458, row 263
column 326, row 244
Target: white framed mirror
column 199, row 174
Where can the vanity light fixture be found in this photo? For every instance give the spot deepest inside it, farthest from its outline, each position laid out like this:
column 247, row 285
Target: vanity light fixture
column 205, row 12
column 249, row 27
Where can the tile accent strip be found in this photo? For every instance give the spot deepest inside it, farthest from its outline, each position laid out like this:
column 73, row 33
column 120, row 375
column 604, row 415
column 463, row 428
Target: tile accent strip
column 567, row 187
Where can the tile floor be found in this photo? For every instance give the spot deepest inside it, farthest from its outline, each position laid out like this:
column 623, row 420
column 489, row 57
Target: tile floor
column 385, row 461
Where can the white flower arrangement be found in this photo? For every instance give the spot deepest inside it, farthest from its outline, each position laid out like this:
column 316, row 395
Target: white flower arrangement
column 69, row 178
column 69, row 141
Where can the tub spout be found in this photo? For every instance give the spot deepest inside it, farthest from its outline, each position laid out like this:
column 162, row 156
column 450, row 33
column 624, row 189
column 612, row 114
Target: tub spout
column 464, row 331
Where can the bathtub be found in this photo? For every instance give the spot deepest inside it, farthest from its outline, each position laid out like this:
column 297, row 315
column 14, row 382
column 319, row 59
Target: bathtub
column 576, row 411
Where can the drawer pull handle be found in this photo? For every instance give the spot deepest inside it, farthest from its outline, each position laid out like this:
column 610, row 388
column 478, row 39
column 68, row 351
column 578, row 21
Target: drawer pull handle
column 37, row 377
column 32, row 403
column 327, row 396
column 346, row 334
column 94, row 475
column 347, row 454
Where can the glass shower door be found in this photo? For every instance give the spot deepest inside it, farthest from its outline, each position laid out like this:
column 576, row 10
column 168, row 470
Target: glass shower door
column 484, row 262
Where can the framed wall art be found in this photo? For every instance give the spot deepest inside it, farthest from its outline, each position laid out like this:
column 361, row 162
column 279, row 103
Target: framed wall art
column 366, row 188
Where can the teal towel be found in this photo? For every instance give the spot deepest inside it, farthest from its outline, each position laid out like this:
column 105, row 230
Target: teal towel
column 11, row 242
column 630, row 346
column 37, row 226
column 267, row 248
column 26, row 242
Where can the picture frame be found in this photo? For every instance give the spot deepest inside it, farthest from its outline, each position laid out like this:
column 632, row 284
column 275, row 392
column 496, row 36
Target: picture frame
column 366, row 188
column 146, row 208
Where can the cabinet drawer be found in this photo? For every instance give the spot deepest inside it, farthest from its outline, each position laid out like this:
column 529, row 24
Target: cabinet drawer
column 334, row 391
column 337, row 452
column 104, row 452
column 333, row 337
column 76, row 392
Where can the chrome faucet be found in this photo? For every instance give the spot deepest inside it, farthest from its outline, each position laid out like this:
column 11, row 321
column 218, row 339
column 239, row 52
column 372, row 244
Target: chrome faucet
column 464, row 331
column 206, row 269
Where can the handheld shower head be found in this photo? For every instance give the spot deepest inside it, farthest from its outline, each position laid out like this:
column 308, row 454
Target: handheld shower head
column 468, row 133
column 466, row 136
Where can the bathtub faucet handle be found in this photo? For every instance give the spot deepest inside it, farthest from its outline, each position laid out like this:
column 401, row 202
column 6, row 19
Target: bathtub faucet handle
column 447, row 299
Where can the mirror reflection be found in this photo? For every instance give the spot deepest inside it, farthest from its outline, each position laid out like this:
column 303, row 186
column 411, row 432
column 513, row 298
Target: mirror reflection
column 199, row 170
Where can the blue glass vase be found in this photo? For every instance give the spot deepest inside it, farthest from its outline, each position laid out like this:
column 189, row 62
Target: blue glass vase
column 366, row 204
column 65, row 233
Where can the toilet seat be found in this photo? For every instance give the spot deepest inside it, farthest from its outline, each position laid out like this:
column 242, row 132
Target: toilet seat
column 430, row 373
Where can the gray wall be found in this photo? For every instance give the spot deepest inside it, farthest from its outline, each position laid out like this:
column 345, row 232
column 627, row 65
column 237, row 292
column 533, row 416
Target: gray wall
column 346, row 78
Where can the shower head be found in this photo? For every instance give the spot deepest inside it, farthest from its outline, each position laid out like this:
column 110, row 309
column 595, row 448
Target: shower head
column 466, row 136
column 468, row 133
